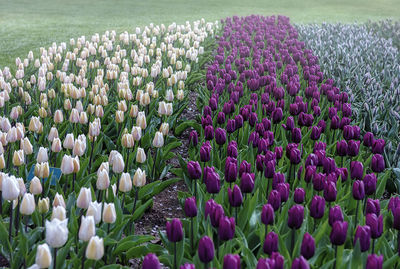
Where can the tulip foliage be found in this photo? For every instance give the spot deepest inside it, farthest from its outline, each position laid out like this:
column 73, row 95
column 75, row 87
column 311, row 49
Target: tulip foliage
column 102, row 112
column 279, row 176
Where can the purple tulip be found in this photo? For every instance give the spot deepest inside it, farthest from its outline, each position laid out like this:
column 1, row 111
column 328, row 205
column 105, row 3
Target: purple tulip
column 373, row 206
column 335, row 214
column 187, row 266
column 245, row 167
column 353, row 148
column 247, row 182
column 278, row 152
column 393, row 203
column 348, row 132
column 231, row 261
column 209, row 132
column 216, row 213
column 356, row 170
column 205, row 152
column 238, row 121
column 377, row 163
column 329, row 165
column 226, row 228
column 300, row 263
column 221, row 118
column 283, row 189
column 269, row 170
column 277, row 178
column 277, row 115
column 315, row 133
column 374, row 262
column 330, row 191
column 370, row 181
column 220, row 136
column 299, row 195
column 341, row 148
column 338, row 232
column 296, row 135
column 307, row 248
column 358, row 190
column 206, row 249
column 231, row 150
column 317, row 207
column 310, row 172
column 378, row 146
column 193, row 138
column 230, row 170
column 151, row 261
column 174, row 230
column 375, row 223
column 368, row 139
column 295, row 156
column 396, row 217
column 267, row 215
column 194, row 170
column 295, row 216
column 190, row 207
column 271, row 243
column 212, row 181
column 319, row 181
column 363, row 235
column 235, row 196
column 274, row 199
column 289, row 126
column 231, row 126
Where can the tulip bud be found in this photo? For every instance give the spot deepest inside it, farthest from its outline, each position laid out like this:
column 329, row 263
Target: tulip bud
column 374, row 261
column 226, row 228
column 164, row 128
column 235, row 196
column 307, row 246
column 10, row 188
column 194, row 170
column 59, row 212
column 377, row 163
column 363, row 235
column 56, row 145
column 140, row 156
column 87, row 229
column 52, row 134
column 296, row 216
column 139, row 179
column 27, row 205
column 125, row 184
column 134, row 111
column 69, row 141
column 174, row 230
column 58, row 116
column 67, row 165
column 58, row 200
column 109, row 214
column 103, row 180
column 271, row 243
column 43, row 205
column 127, row 141
column 35, row 187
column 151, row 261
column 94, row 210
column 206, row 249
column 56, row 233
column 84, row 198
column 338, row 233
column 300, row 263
column 190, row 207
column 158, row 140
column 18, row 158
column 95, row 249
column 43, row 256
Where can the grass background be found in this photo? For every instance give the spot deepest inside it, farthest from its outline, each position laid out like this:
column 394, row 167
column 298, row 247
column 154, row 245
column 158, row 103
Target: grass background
column 29, row 24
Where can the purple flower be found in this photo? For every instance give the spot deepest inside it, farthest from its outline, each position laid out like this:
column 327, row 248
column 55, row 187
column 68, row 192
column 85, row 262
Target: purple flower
column 271, row 243
column 231, row 261
column 363, row 235
column 315, row 133
column 245, row 167
column 353, row 148
column 230, row 170
column 267, row 215
column 341, row 148
column 339, row 232
column 300, row 263
column 289, row 126
column 193, row 138
column 356, row 170
column 329, row 165
column 269, row 170
column 238, row 121
column 317, row 207
column 235, row 196
column 226, row 228
column 151, row 262
column 330, row 191
column 348, row 132
column 377, row 163
column 358, row 190
column 335, row 214
column 205, row 152
column 190, row 207
column 373, row 206
column 247, row 182
column 231, row 126
column 374, row 261
column 187, row 266
column 296, row 135
column 396, row 217
column 299, row 195
column 375, row 223
column 206, row 249
column 378, row 146
column 283, row 189
column 212, row 181
column 174, row 230
column 209, row 132
column 310, row 172
column 370, row 184
column 221, row 118
column 277, row 178
column 220, row 136
column 295, row 216
column 368, row 139
column 274, row 199
column 194, row 170
column 231, row 150
column 319, row 181
column 277, row 115
column 278, row 152
column 307, row 248
column 295, row 156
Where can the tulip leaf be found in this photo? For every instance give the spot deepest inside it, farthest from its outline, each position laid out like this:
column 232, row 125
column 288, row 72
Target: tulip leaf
column 131, row 241
column 4, row 239
column 62, row 253
column 140, row 210
column 141, row 251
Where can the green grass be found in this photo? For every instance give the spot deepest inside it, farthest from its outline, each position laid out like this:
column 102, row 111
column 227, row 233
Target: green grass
column 29, row 24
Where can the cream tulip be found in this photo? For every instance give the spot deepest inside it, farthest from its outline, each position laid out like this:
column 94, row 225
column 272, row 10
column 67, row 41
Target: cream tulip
column 27, row 205
column 87, row 228
column 95, row 249
column 58, row 200
column 140, row 155
column 125, row 183
column 43, row 256
column 35, row 186
column 56, row 233
column 109, row 214
column 84, row 198
column 139, row 179
column 94, row 210
column 158, row 140
column 58, row 212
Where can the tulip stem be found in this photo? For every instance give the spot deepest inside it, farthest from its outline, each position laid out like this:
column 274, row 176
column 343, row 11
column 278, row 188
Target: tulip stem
column 154, row 166
column 73, row 182
column 398, row 241
column 55, row 258
column 191, row 235
column 293, row 238
column 11, row 224
column 373, row 246
column 136, row 198
column 17, row 218
column 102, row 206
column 355, row 220
column 1, row 203
column 175, row 264
column 206, row 265
column 123, row 201
column 91, row 155
column 195, row 189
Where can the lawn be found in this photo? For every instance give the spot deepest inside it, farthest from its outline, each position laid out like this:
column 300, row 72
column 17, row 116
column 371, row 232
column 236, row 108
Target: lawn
column 28, row 25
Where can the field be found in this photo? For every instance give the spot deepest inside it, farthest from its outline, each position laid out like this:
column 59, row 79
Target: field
column 198, row 135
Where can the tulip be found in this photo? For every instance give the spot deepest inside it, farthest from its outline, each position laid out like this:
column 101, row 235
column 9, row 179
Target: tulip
column 94, row 210
column 378, row 146
column 370, row 181
column 84, row 198
column 139, row 179
column 363, row 235
column 103, row 180
column 58, row 213
column 205, row 152
column 377, row 163
column 374, row 261
column 299, row 195
column 158, row 140
column 140, row 155
column 356, row 169
column 109, row 214
column 125, row 183
column 274, row 199
column 18, row 158
column 330, row 191
column 193, row 138
column 151, row 261
column 247, row 182
column 43, row 256
column 235, row 196
column 42, row 170
column 317, row 207
column 27, row 205
column 338, row 233
column 375, row 223
column 307, row 248
column 226, row 228
column 353, row 148
column 117, row 163
column 42, row 155
column 271, row 243
column 67, row 165
column 95, row 249
column 300, row 263
column 43, row 205
column 231, row 261
column 87, row 229
column 194, row 170
column 10, row 188
column 220, row 136
column 341, row 148
column 174, row 230
column 56, row 145
column 373, row 206
column 69, row 141
column 358, row 190
column 59, row 200
column 56, row 233
column 190, row 207
column 206, row 250
column 296, row 216
column 335, row 214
